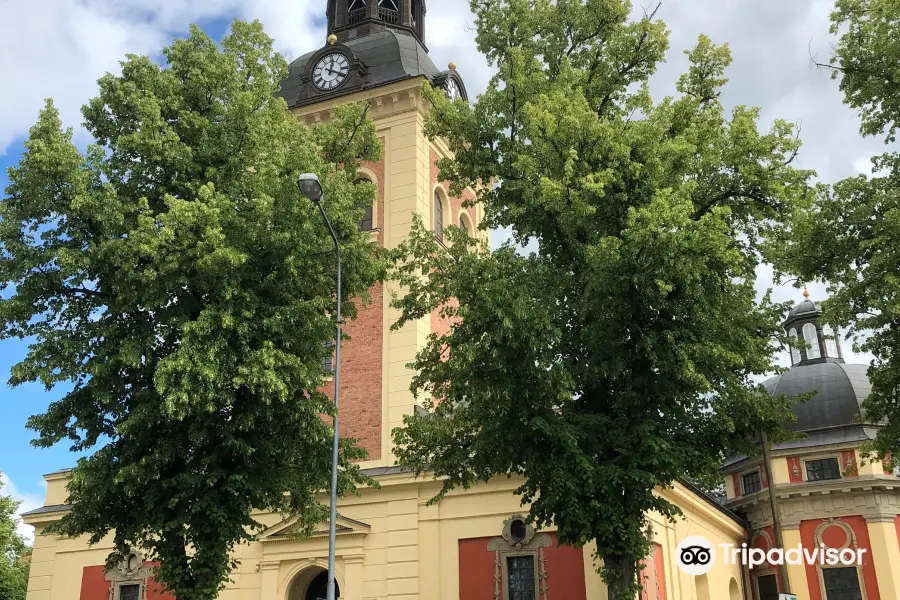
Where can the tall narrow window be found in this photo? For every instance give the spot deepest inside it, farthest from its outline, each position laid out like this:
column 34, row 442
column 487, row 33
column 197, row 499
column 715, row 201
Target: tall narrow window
column 767, row 586
column 795, row 352
column 329, row 360
column 831, row 347
column 130, row 592
column 521, row 584
column 842, row 583
column 438, row 218
column 365, row 224
column 811, row 337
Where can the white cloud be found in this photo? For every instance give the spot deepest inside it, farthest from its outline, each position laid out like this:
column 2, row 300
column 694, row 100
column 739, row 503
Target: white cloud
column 29, row 502
column 60, row 48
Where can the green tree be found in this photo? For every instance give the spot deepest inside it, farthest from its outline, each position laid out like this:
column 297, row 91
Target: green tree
column 174, row 275
column 850, row 238
column 15, row 553
column 617, row 358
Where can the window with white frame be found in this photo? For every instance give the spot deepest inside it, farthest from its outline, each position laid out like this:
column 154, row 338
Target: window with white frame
column 795, row 351
column 129, row 591
column 438, row 217
column 841, row 583
column 751, row 482
column 767, row 587
column 521, row 579
column 812, row 340
column 831, row 347
column 366, row 223
column 823, row 469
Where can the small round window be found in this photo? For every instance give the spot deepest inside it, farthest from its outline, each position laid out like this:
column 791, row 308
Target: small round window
column 517, row 530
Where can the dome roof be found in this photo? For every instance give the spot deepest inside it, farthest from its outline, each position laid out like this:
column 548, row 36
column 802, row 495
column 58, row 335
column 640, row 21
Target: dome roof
column 841, row 389
column 805, row 307
column 387, row 55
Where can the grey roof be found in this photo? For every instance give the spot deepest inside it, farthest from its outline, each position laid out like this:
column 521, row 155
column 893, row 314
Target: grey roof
column 48, row 509
column 807, row 306
column 854, row 434
column 387, row 55
column 841, row 389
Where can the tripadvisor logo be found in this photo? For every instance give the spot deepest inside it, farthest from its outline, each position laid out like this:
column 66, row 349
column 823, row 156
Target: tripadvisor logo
column 696, row 555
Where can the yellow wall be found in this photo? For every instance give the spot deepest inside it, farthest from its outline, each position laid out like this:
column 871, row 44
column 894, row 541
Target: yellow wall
column 404, row 550
column 396, row 547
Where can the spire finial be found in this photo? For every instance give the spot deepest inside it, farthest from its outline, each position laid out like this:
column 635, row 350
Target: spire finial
column 806, row 292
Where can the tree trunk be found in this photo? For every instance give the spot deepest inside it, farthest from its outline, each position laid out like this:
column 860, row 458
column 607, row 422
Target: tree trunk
column 622, row 572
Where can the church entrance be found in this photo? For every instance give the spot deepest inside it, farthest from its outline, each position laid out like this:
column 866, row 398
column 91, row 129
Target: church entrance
column 312, row 584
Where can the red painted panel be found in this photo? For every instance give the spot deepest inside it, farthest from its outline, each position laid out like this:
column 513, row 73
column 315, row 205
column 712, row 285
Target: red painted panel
column 858, row 525
column 476, row 570
column 887, row 459
column 565, row 570
column 737, row 484
column 764, row 477
column 848, row 459
column 659, row 560
column 795, row 471
column 94, row 586
column 762, row 542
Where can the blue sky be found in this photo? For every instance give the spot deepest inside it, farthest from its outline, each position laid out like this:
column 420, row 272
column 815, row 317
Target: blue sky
column 62, row 52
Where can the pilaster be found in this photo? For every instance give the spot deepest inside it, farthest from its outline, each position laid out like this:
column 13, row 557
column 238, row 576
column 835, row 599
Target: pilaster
column 885, row 554
column 796, row 573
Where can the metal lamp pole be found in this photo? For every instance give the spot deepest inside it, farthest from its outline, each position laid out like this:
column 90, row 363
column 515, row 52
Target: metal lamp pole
column 311, row 188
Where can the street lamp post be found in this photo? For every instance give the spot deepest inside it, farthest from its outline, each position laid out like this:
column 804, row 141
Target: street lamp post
column 311, row 188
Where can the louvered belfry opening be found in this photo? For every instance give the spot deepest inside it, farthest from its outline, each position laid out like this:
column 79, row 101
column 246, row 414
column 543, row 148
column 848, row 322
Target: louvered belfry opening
column 356, row 11
column 351, row 19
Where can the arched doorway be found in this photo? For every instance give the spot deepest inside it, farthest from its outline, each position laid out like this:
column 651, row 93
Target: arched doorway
column 312, row 584
column 734, row 592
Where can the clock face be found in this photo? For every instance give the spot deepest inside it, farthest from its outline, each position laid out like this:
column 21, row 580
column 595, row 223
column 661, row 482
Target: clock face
column 453, row 92
column 331, row 71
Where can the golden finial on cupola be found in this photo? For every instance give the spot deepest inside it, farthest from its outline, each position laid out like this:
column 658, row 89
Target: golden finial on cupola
column 332, row 40
column 806, row 292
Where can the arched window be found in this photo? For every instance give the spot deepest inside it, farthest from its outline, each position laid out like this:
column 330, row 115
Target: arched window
column 366, row 223
column 438, row 217
column 811, row 338
column 795, row 351
column 831, row 347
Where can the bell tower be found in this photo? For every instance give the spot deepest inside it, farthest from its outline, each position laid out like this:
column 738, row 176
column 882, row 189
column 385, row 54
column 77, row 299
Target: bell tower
column 375, row 55
column 350, row 19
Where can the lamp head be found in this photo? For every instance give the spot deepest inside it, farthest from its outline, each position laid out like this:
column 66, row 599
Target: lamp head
column 310, row 187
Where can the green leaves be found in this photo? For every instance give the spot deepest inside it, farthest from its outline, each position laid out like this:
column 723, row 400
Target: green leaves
column 849, row 237
column 15, row 554
column 620, row 355
column 174, row 275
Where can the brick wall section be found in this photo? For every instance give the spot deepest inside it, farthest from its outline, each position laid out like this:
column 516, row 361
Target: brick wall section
column 362, row 356
column 438, row 325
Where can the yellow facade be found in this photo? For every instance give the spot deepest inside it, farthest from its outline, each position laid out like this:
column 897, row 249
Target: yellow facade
column 390, row 543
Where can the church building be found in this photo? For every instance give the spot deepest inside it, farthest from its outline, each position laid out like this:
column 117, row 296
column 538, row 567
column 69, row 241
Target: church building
column 824, row 493
column 474, row 544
